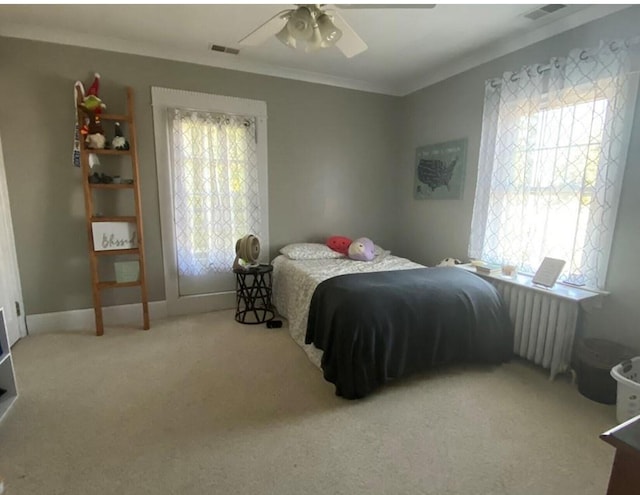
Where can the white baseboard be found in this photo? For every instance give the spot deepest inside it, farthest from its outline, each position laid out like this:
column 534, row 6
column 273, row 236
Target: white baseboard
column 83, row 319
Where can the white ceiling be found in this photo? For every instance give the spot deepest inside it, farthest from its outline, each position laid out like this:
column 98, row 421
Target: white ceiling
column 408, row 48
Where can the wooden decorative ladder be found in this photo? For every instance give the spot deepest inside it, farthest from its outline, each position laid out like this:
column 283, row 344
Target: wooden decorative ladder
column 91, row 217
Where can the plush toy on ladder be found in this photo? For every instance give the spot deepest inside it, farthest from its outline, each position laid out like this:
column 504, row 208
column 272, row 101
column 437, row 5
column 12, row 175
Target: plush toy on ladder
column 247, row 253
column 119, row 142
column 92, row 106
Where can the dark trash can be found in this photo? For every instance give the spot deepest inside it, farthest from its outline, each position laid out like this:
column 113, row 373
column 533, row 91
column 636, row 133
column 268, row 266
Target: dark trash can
column 595, row 358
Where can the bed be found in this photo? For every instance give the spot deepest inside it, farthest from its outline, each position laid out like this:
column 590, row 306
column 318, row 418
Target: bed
column 366, row 323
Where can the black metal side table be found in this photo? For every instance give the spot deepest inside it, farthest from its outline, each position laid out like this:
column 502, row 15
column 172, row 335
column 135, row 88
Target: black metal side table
column 253, row 295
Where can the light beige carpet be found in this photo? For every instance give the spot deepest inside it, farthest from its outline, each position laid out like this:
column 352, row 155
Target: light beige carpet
column 203, row 405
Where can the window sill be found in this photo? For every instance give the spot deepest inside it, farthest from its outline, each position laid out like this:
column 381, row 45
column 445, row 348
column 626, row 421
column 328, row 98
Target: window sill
column 560, row 290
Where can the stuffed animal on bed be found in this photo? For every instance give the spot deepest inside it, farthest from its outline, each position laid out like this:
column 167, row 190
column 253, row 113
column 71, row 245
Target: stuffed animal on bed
column 339, row 244
column 449, row 262
column 362, row 249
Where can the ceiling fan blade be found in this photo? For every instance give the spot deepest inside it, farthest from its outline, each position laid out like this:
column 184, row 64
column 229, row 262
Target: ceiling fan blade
column 386, row 6
column 350, row 44
column 263, row 32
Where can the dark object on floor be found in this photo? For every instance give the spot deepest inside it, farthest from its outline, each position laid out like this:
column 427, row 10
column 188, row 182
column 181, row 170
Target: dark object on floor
column 376, row 327
column 2, row 392
column 595, row 358
column 274, row 324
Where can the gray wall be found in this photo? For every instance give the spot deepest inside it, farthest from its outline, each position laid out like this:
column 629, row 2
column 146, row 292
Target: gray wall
column 452, row 109
column 340, row 161
column 331, row 160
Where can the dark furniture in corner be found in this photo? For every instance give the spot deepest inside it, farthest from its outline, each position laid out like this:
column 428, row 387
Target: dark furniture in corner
column 625, row 473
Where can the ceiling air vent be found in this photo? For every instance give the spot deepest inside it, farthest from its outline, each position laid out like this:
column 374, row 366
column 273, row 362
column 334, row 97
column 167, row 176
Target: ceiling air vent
column 225, row 49
column 542, row 11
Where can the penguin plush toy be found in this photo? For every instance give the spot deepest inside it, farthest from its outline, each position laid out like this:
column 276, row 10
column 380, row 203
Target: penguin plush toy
column 119, row 142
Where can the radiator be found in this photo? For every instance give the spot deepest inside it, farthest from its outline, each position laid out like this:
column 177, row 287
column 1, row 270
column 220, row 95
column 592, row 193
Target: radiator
column 544, row 325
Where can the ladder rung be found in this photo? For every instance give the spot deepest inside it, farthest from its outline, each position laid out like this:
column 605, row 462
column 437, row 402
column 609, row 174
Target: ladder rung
column 107, row 152
column 116, row 252
column 115, row 117
column 112, row 284
column 114, row 219
column 122, row 117
column 111, row 186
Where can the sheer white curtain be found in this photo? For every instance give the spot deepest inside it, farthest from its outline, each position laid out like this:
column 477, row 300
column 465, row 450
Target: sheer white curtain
column 552, row 157
column 216, row 187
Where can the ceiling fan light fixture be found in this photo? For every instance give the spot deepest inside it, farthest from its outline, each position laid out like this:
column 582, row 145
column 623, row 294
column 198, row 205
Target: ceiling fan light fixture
column 315, row 42
column 285, row 37
column 300, row 24
column 329, row 33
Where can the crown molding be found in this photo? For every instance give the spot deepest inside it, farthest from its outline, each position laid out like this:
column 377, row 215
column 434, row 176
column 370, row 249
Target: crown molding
column 224, row 61
column 508, row 45
column 208, row 58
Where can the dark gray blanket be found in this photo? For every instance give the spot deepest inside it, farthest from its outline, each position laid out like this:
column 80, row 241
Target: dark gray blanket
column 374, row 327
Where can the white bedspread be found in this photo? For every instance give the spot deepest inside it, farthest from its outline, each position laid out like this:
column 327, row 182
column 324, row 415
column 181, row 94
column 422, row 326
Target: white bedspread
column 294, row 282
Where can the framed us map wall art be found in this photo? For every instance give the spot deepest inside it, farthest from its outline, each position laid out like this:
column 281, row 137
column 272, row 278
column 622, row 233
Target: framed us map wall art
column 440, row 170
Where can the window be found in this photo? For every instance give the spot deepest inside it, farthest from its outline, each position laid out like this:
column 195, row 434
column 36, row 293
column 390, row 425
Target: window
column 211, row 155
column 216, row 187
column 552, row 157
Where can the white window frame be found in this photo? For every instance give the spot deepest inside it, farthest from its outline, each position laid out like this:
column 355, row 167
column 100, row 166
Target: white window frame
column 632, row 88
column 163, row 99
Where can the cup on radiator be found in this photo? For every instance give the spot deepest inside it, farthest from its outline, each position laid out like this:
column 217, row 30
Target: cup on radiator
column 509, row 270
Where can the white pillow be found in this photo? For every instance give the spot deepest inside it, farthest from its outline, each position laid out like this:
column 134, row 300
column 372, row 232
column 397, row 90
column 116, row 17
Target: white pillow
column 309, row 251
column 377, row 250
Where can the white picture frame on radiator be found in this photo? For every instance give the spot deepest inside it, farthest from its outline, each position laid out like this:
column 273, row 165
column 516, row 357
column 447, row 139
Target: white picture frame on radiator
column 549, row 271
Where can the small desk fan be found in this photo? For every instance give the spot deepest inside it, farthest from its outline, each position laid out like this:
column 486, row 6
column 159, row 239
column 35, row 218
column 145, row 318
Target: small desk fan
column 247, row 252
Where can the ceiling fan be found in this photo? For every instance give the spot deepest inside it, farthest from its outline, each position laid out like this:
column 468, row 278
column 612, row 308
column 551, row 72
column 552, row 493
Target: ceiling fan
column 318, row 27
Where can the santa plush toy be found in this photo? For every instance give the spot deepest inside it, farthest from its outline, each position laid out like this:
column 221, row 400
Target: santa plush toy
column 94, row 137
